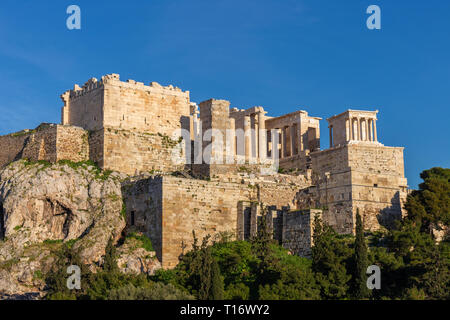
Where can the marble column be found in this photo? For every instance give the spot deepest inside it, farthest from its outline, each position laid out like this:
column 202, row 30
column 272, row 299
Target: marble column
column 247, row 138
column 347, row 130
column 293, row 140
column 283, row 143
column 262, row 136
column 375, row 130
column 231, row 142
column 366, row 122
column 351, row 127
column 275, row 139
column 359, row 129
column 299, row 137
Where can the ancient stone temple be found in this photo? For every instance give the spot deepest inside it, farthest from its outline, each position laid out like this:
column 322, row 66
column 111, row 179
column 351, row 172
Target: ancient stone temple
column 212, row 168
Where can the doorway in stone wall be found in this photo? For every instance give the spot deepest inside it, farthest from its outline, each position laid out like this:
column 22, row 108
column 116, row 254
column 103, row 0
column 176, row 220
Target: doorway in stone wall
column 247, row 222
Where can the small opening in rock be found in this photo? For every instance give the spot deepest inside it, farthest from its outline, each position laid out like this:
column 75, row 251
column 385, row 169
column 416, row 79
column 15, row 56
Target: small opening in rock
column 2, row 224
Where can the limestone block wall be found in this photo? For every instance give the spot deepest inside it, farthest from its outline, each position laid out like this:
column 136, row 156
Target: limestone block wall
column 47, row 142
column 298, row 229
column 214, row 115
column 126, row 105
column 11, row 147
column 134, row 106
column 280, row 193
column 169, row 208
column 143, row 201
column 83, row 107
column 96, row 147
column 203, row 206
column 332, row 176
column 72, row 144
column 379, row 187
column 364, row 176
column 298, row 161
column 133, row 152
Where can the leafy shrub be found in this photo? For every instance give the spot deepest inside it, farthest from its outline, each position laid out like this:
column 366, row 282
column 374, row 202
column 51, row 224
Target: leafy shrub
column 156, row 291
column 145, row 241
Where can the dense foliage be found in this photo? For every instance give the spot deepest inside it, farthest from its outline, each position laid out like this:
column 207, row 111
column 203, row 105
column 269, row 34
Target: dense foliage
column 414, row 262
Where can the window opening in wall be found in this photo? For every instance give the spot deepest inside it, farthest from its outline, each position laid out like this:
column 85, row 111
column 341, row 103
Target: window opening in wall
column 132, row 218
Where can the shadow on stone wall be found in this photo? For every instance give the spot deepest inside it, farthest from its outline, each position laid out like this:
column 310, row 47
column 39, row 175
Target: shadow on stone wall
column 389, row 215
column 19, row 155
column 143, row 207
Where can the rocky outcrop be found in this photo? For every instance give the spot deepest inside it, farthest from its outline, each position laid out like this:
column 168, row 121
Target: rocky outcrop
column 44, row 205
column 135, row 259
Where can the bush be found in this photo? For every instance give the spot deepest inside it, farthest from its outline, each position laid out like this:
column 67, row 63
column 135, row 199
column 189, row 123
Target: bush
column 145, row 241
column 156, row 291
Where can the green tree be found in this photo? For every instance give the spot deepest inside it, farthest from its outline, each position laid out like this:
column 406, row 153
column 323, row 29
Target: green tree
column 267, row 271
column 56, row 279
column 330, row 261
column 199, row 272
column 426, row 262
column 110, row 259
column 217, row 285
column 155, row 291
column 430, row 205
column 360, row 259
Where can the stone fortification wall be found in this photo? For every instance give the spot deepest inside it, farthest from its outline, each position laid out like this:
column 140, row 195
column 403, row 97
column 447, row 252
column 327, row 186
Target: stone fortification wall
column 47, row 142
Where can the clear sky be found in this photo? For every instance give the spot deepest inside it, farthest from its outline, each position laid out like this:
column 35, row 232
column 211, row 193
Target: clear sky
column 316, row 55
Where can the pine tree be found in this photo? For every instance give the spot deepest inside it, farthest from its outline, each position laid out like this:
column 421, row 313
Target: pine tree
column 426, row 261
column 361, row 261
column 329, row 261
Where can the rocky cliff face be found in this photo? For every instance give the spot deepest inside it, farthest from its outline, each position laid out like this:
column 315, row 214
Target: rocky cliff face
column 43, row 205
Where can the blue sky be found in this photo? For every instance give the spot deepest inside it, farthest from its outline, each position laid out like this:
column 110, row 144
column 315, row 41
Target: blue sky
column 315, row 55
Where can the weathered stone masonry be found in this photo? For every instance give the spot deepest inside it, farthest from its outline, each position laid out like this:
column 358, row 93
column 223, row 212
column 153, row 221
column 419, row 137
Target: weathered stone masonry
column 47, row 142
column 136, row 129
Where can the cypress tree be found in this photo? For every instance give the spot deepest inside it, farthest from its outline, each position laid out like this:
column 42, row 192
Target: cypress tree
column 217, row 285
column 204, row 263
column 361, row 261
column 110, row 261
column 267, row 270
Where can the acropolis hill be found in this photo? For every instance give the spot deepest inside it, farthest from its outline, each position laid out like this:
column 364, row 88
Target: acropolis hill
column 151, row 132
